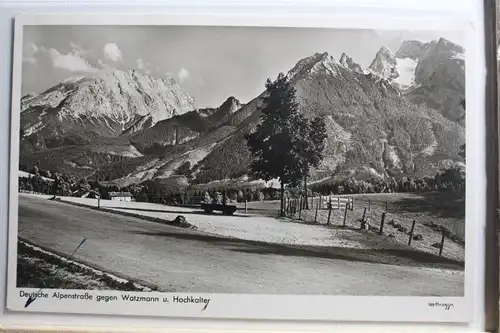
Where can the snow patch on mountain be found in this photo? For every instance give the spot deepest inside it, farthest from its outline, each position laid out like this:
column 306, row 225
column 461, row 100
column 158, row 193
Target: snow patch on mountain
column 406, row 70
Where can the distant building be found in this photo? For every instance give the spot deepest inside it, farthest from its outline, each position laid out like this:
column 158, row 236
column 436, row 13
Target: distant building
column 120, row 196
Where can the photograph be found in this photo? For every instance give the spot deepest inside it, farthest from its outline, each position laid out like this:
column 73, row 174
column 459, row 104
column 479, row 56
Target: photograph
column 240, row 160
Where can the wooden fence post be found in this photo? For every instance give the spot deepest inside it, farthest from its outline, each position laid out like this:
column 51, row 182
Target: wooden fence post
column 411, row 232
column 246, row 206
column 352, row 203
column 338, row 203
column 381, row 230
column 345, row 215
column 441, row 245
column 316, row 215
column 364, row 214
column 99, row 202
column 329, row 211
column 320, row 202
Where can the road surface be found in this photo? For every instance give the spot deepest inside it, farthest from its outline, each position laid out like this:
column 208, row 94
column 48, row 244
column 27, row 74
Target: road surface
column 182, row 260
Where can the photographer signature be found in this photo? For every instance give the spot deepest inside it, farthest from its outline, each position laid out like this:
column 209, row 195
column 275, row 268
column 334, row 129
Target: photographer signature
column 446, row 306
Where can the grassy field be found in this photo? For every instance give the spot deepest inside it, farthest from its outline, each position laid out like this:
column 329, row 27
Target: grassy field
column 432, row 212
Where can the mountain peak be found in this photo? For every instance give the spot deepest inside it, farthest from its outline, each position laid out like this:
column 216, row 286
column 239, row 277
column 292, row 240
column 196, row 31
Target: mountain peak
column 412, row 49
column 347, row 62
column 386, row 50
column 231, row 104
column 446, row 45
column 29, row 95
column 384, row 64
column 108, row 102
column 343, row 58
column 318, row 62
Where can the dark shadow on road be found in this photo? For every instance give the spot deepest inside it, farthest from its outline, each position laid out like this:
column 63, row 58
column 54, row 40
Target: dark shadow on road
column 412, row 258
column 201, row 212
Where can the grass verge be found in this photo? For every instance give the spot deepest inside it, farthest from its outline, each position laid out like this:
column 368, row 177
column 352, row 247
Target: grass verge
column 37, row 268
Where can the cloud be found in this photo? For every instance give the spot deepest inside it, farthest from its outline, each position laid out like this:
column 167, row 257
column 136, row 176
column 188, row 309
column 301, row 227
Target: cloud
column 140, row 63
column 146, row 66
column 70, row 61
column 102, row 64
column 77, row 49
column 31, row 60
column 113, row 52
column 183, row 74
column 29, row 52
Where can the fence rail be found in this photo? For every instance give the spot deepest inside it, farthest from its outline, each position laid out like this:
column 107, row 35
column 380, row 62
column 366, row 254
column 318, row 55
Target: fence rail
column 336, row 202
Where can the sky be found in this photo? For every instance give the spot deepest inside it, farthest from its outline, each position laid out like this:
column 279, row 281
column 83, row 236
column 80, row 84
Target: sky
column 209, row 63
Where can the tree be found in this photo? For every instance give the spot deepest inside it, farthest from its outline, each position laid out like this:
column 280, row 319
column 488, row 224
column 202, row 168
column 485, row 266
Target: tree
column 461, row 152
column 273, row 141
column 311, row 147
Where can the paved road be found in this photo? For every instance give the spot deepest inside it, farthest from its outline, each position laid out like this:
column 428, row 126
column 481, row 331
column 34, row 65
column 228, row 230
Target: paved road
column 183, row 260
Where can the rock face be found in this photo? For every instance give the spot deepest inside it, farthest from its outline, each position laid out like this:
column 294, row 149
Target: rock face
column 347, row 62
column 373, row 130
column 102, row 104
column 430, row 74
column 183, row 128
column 440, row 79
column 412, row 49
column 384, row 64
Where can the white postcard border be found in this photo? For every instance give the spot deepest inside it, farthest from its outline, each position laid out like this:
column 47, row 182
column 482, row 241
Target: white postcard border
column 338, row 308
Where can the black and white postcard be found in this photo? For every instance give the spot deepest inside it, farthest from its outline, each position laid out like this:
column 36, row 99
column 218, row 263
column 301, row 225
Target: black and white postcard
column 240, row 171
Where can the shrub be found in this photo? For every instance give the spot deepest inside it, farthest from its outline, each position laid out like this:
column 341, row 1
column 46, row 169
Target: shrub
column 141, row 197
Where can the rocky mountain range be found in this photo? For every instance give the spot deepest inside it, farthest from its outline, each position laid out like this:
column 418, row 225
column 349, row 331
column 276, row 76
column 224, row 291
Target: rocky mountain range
column 431, row 74
column 399, row 116
column 104, row 104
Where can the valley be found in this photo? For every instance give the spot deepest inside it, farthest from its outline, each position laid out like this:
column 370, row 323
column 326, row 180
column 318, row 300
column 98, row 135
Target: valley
column 359, row 175
column 376, row 128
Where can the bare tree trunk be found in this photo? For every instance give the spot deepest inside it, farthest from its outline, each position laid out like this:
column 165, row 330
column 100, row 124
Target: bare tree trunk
column 282, row 198
column 306, row 206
